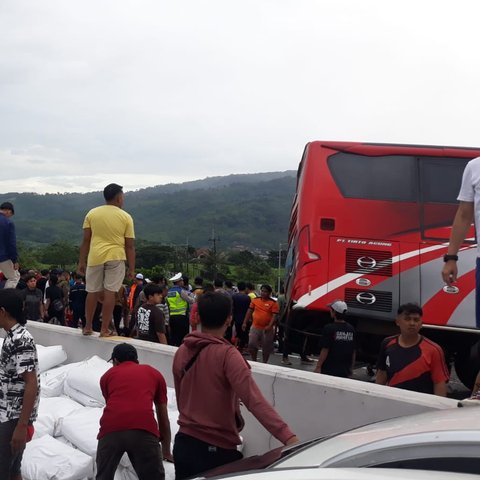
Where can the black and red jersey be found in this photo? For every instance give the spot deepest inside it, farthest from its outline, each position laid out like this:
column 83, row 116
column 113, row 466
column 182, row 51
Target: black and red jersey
column 415, row 368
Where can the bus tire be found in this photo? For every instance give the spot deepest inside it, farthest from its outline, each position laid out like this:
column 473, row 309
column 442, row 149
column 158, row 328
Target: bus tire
column 467, row 365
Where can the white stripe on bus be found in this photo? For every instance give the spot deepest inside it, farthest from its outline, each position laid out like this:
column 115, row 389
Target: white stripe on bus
column 319, row 292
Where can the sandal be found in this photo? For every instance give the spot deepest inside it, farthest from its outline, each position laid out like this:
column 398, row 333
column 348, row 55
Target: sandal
column 87, row 332
column 107, row 334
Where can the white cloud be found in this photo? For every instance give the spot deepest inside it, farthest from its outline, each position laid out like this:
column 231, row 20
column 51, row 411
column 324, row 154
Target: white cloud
column 159, row 90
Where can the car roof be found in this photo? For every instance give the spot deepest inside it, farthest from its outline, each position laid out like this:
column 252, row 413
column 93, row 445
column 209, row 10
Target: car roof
column 349, row 474
column 460, row 425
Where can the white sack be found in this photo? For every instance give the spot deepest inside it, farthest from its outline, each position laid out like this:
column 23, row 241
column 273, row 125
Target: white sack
column 124, row 473
column 51, row 381
column 81, row 397
column 44, row 425
column 128, row 473
column 57, row 408
column 81, row 428
column 85, row 378
column 48, row 459
column 169, row 470
column 49, row 357
column 171, row 399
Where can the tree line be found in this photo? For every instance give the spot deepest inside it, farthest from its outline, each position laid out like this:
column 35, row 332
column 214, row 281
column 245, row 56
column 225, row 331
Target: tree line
column 161, row 259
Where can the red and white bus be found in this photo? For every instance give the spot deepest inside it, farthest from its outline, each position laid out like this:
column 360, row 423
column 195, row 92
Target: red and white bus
column 370, row 224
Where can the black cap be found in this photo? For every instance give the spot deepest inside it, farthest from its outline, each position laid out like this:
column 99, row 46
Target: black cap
column 7, row 206
column 124, row 352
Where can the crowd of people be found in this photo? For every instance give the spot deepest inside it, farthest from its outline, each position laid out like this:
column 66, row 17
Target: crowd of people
column 158, row 309
column 212, row 325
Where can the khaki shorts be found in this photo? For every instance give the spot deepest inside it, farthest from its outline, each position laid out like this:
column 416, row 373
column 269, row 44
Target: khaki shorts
column 261, row 339
column 108, row 276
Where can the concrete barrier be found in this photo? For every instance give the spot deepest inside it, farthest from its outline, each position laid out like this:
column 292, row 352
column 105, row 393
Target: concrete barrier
column 312, row 404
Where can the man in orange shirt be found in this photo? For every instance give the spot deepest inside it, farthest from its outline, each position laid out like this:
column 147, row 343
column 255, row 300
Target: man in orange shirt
column 263, row 313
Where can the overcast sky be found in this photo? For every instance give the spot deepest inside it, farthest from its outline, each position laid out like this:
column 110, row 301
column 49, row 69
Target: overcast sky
column 147, row 92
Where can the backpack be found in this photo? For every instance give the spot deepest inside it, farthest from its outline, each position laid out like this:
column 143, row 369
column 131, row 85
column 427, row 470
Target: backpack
column 57, row 305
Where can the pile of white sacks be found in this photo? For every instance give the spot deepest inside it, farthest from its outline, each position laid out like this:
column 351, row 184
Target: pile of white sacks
column 65, row 442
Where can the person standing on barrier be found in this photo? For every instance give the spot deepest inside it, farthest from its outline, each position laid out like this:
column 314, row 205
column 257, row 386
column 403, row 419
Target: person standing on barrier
column 337, row 356
column 128, row 424
column 411, row 361
column 8, row 246
column 211, row 377
column 108, row 240
column 19, row 385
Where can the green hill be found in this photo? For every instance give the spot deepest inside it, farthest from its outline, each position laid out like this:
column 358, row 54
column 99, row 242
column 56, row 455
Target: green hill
column 245, row 210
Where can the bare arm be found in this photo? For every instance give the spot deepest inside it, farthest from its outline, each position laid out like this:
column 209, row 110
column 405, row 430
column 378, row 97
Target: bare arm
column 164, row 427
column 321, row 359
column 248, row 319
column 162, row 338
column 84, row 249
column 461, row 224
column 273, row 322
column 440, row 389
column 381, row 377
column 130, row 254
column 19, row 437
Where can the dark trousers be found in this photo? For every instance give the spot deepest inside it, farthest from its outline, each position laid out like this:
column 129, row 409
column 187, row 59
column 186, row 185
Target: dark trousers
column 179, row 327
column 117, row 316
column 242, row 336
column 9, row 464
column 143, row 449
column 60, row 316
column 192, row 456
column 78, row 314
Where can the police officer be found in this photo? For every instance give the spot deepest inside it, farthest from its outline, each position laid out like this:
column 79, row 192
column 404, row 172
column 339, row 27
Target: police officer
column 178, row 300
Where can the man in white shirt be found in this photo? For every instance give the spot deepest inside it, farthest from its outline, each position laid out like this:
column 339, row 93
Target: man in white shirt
column 467, row 213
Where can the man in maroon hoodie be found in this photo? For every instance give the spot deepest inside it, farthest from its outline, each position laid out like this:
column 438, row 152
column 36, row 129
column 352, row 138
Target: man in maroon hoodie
column 211, row 377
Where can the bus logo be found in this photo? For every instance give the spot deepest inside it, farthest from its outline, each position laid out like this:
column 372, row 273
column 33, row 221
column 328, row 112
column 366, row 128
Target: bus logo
column 366, row 262
column 451, row 289
column 366, row 298
column 363, row 282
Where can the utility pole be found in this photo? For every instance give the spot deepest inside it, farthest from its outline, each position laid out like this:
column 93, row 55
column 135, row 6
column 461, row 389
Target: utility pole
column 279, row 266
column 214, row 241
column 186, row 254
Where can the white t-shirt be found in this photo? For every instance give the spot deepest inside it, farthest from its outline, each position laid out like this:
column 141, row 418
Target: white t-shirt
column 470, row 191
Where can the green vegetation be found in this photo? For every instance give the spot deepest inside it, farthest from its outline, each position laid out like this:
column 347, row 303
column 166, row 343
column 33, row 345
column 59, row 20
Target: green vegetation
column 249, row 213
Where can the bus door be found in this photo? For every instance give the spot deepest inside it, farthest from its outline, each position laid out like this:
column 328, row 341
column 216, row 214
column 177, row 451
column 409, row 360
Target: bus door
column 365, row 273
column 440, row 180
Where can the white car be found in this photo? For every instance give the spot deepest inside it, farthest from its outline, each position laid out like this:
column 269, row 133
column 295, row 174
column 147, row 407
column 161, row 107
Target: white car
column 349, row 474
column 443, row 440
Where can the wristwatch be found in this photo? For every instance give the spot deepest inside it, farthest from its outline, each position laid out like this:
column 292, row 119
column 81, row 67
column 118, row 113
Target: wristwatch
column 447, row 257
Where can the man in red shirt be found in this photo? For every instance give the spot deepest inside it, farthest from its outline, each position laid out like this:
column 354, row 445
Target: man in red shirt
column 411, row 361
column 128, row 424
column 263, row 313
column 211, row 376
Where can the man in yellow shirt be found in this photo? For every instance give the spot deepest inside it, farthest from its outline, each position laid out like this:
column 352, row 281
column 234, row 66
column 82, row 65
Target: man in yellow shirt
column 108, row 240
